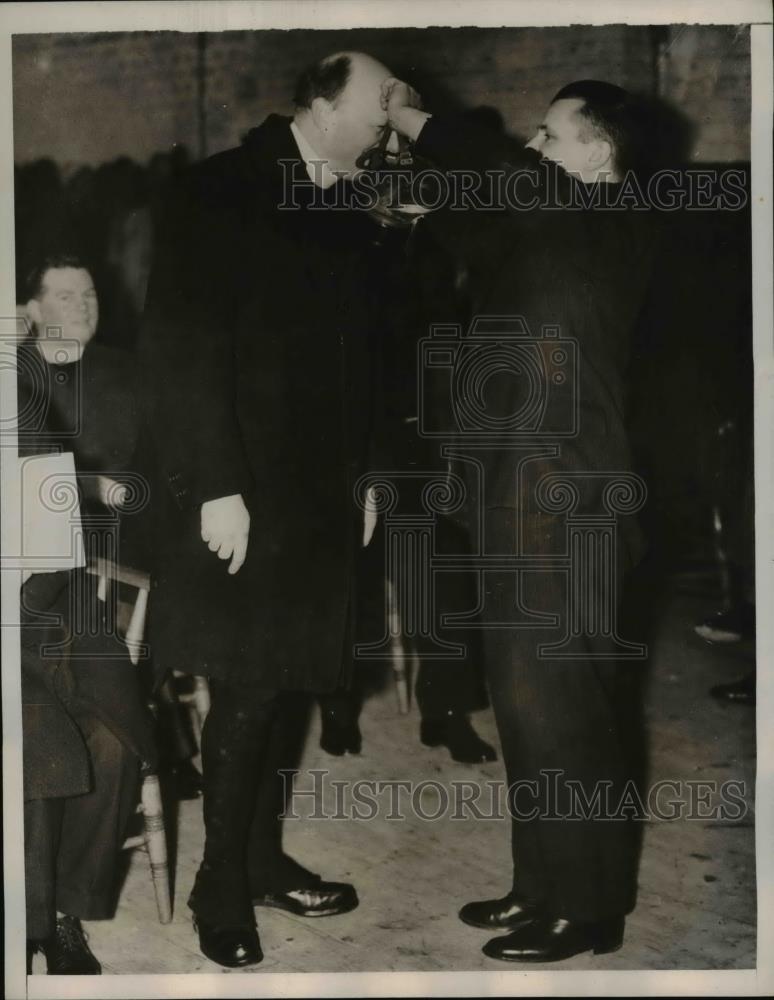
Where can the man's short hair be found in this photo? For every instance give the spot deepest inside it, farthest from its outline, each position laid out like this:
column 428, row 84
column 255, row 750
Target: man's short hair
column 53, row 261
column 326, row 78
column 610, row 113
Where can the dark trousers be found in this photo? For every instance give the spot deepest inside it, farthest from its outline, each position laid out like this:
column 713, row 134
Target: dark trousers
column 564, row 724
column 71, row 845
column 249, row 736
column 444, row 684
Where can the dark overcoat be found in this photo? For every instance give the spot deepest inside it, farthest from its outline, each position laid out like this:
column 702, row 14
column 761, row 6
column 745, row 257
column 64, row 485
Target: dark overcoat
column 256, row 354
column 577, row 277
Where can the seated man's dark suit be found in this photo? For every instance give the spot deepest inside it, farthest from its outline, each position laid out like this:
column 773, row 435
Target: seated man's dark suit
column 86, row 729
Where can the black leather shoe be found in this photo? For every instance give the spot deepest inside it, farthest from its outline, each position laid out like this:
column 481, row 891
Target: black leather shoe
column 67, row 951
column 548, row 939
column 229, row 946
column 730, row 625
column 339, row 736
column 456, row 732
column 508, row 913
column 323, row 899
column 740, row 692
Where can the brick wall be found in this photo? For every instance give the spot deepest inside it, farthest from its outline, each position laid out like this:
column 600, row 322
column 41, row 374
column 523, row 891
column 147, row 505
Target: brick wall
column 88, row 98
column 706, row 73
column 515, row 70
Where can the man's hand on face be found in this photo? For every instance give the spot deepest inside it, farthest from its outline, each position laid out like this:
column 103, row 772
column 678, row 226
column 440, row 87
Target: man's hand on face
column 225, row 529
column 403, row 106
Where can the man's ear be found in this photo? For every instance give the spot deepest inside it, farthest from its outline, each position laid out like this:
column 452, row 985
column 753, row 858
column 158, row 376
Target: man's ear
column 322, row 110
column 33, row 312
column 600, row 154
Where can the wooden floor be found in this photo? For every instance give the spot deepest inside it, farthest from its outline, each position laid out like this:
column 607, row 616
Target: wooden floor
column 696, row 906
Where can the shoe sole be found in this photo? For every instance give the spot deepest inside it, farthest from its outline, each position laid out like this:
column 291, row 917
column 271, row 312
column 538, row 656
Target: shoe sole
column 236, row 965
column 511, row 926
column 299, row 911
column 542, row 959
column 717, row 637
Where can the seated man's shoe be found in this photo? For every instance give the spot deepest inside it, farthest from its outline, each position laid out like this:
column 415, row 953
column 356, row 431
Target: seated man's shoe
column 507, row 913
column 320, row 899
column 741, row 692
column 232, row 947
column 548, row 939
column 455, row 732
column 67, row 951
column 339, row 735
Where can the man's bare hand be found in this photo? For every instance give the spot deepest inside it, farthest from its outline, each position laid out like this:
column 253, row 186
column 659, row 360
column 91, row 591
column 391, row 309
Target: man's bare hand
column 111, row 493
column 226, row 528
column 404, row 107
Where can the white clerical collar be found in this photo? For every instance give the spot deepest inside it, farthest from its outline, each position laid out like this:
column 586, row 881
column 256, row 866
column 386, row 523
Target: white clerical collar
column 316, row 166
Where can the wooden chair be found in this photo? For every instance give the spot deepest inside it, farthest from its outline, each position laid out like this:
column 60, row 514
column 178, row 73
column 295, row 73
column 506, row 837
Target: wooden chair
column 198, row 703
column 399, row 656
column 153, row 838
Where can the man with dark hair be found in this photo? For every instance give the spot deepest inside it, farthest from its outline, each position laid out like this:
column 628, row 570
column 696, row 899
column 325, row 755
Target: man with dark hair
column 258, row 373
column 562, row 707
column 606, row 115
column 53, row 261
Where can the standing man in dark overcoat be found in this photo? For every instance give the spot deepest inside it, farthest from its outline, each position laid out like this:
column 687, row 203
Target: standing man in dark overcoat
column 546, row 256
column 258, row 374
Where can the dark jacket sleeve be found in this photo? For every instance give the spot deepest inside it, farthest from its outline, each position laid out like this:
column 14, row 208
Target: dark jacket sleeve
column 510, row 182
column 187, row 344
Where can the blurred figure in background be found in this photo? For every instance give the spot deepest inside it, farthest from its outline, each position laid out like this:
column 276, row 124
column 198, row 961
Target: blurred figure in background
column 428, row 287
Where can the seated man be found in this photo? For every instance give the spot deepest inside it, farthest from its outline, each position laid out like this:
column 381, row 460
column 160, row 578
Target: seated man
column 81, row 783
column 86, row 730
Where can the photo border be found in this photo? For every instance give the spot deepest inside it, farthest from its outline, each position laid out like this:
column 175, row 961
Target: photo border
column 212, row 17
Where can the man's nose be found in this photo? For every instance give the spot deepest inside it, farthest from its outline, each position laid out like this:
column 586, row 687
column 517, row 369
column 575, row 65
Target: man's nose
column 393, row 145
column 535, row 142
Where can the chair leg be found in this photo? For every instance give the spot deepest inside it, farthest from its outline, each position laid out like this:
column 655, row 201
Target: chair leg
column 398, row 653
column 156, row 844
column 201, row 700
column 136, row 628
